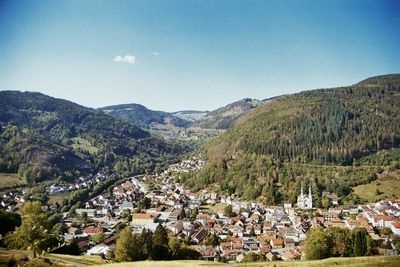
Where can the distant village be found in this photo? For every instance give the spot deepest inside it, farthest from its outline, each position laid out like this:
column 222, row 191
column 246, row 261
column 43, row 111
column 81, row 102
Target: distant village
column 276, row 232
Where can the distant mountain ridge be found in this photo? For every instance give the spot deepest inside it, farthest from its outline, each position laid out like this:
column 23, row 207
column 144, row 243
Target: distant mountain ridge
column 142, row 116
column 43, row 137
column 226, row 117
column 220, row 119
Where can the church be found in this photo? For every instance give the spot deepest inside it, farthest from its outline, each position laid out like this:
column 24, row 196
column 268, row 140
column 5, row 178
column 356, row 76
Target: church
column 304, row 201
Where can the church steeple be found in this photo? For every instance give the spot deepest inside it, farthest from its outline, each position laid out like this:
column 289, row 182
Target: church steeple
column 310, row 196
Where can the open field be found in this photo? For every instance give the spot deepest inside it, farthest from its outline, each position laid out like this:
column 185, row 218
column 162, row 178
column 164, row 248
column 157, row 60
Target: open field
column 80, row 143
column 8, row 180
column 214, row 208
column 388, row 187
column 48, row 259
column 58, row 198
column 383, row 261
column 76, row 260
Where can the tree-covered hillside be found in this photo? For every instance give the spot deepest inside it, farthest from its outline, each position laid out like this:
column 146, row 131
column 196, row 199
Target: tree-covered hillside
column 42, row 138
column 310, row 136
column 226, row 117
column 321, row 126
column 142, row 116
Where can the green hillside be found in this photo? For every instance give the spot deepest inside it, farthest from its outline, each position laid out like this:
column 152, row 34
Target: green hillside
column 142, row 116
column 42, row 138
column 294, row 136
column 226, row 117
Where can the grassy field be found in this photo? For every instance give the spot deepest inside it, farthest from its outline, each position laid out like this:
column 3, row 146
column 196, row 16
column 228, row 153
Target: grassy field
column 388, row 187
column 57, row 198
column 383, row 261
column 80, row 143
column 214, row 208
column 76, row 260
column 23, row 258
column 8, row 180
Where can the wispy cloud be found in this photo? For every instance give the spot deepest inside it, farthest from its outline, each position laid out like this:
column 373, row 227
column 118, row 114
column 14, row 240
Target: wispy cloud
column 155, row 53
column 130, row 59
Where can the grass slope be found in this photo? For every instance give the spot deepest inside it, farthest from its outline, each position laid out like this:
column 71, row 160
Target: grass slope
column 8, row 180
column 387, row 261
column 384, row 188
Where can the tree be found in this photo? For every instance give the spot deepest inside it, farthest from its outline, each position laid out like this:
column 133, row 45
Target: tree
column 98, row 238
column 360, row 241
column 182, row 215
column 228, row 210
column 124, row 246
column 193, row 214
column 9, row 220
column 251, row 257
column 147, row 241
column 34, row 232
column 325, row 202
column 252, row 232
column 317, row 246
column 160, row 249
column 212, row 240
column 84, row 217
column 340, row 242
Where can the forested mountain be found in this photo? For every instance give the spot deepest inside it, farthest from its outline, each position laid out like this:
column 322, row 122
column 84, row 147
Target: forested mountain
column 43, row 137
column 226, row 117
column 142, row 116
column 286, row 139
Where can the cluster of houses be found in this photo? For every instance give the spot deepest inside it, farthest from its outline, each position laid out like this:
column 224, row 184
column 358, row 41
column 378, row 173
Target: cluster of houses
column 82, row 182
column 13, row 199
column 277, row 232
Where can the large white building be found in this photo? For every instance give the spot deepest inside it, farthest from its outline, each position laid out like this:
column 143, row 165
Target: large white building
column 304, row 201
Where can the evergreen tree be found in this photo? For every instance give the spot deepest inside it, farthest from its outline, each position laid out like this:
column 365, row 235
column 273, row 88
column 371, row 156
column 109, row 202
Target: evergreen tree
column 182, row 215
column 160, row 249
column 360, row 242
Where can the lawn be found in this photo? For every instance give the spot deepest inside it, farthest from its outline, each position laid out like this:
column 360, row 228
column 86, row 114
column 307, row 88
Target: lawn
column 388, row 188
column 57, row 198
column 8, row 180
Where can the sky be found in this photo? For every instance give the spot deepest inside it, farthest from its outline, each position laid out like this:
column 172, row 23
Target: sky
column 176, row 55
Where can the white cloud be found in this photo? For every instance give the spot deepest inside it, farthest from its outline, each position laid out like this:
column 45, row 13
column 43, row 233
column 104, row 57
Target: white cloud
column 155, row 53
column 130, row 59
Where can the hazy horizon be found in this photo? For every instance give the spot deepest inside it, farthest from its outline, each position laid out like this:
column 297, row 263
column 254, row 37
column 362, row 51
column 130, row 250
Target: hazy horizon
column 193, row 55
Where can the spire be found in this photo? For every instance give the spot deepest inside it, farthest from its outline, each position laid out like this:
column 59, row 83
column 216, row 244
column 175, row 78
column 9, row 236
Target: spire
column 301, row 192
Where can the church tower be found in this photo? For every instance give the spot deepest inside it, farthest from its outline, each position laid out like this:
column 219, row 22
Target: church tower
column 310, row 197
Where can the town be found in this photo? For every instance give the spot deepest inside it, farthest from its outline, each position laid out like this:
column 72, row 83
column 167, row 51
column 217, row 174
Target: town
column 220, row 228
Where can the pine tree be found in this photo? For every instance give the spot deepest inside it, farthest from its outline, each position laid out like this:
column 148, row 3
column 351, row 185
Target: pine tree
column 160, row 249
column 182, row 215
column 360, row 242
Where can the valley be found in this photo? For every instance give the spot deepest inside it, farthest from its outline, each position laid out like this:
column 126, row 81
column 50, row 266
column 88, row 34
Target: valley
column 251, row 181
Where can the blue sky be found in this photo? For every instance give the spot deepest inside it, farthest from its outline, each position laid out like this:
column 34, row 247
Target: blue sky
column 174, row 55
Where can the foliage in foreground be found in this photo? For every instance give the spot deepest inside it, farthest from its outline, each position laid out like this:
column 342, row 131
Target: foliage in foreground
column 338, row 242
